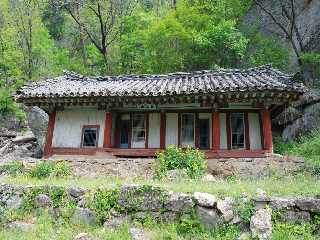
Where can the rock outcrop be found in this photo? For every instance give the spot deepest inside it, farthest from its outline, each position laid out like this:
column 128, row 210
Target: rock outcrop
column 308, row 22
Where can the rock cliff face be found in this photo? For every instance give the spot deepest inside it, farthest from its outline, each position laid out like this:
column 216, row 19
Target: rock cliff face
column 304, row 116
column 308, row 21
column 301, row 118
column 23, row 139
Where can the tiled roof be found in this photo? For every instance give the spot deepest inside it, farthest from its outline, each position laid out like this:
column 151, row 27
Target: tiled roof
column 70, row 84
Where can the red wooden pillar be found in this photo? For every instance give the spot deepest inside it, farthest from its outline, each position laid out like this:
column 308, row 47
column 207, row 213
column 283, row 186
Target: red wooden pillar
column 107, row 131
column 267, row 132
column 48, row 144
column 162, row 130
column 215, row 131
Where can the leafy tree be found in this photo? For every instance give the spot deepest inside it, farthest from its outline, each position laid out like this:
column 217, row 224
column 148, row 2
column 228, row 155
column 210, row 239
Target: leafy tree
column 100, row 20
column 262, row 50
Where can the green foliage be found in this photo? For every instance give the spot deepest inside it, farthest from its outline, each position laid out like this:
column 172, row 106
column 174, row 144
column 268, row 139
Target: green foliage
column 190, row 159
column 263, row 50
column 41, row 170
column 62, row 169
column 12, row 168
column 28, row 198
column 292, row 231
column 245, row 209
column 103, row 201
column 8, row 106
column 57, row 195
column 227, row 232
column 190, row 225
column 307, row 147
column 281, row 147
column 45, row 169
column 311, row 63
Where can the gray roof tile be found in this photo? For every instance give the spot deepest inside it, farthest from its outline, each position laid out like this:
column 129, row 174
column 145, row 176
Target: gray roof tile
column 210, row 81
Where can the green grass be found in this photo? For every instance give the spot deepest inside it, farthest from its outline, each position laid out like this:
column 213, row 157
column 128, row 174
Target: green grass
column 300, row 184
column 307, row 147
column 47, row 229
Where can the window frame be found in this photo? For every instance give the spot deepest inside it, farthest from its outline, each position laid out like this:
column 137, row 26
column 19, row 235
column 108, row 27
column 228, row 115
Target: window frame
column 181, row 128
column 244, row 130
column 84, row 127
column 133, row 129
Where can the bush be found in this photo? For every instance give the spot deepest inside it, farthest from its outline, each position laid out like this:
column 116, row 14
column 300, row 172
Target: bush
column 13, row 168
column 190, row 159
column 42, row 170
column 62, row 169
column 282, row 147
column 306, row 146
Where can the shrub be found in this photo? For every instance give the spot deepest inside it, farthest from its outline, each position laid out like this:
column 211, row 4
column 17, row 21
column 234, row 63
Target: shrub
column 62, row 169
column 42, row 170
column 190, row 159
column 307, row 146
column 104, row 201
column 13, row 168
column 282, row 147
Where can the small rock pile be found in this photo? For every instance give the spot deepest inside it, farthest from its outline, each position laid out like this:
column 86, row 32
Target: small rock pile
column 15, row 145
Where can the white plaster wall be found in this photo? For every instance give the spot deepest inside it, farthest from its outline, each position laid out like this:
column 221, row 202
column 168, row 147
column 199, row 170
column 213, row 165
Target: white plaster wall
column 254, row 131
column 208, row 116
column 171, row 129
column 223, row 131
column 154, row 130
column 68, row 126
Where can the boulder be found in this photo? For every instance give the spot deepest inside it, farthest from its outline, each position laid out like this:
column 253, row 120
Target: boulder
column 22, row 226
column 38, row 122
column 7, row 133
column 27, row 137
column 287, row 116
column 179, row 202
column 308, row 204
column 278, row 203
column 245, row 236
column 209, row 178
column 225, row 207
column 76, row 192
column 83, row 236
column 261, row 199
column 210, row 218
column 115, row 222
column 141, row 198
column 309, row 121
column 296, row 217
column 84, row 216
column 205, row 199
column 43, row 201
column 139, row 234
column 261, row 225
column 14, row 202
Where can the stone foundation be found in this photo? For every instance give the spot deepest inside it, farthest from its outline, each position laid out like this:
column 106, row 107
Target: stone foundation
column 93, row 167
column 256, row 167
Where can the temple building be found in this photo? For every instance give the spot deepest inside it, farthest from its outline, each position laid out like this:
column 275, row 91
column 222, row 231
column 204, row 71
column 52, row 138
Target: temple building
column 225, row 113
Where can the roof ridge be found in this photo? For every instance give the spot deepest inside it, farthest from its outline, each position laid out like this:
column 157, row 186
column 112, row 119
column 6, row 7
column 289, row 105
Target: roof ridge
column 77, row 76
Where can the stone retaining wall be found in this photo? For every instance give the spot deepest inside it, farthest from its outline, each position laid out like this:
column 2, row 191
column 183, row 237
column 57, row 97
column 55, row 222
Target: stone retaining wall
column 126, row 203
column 257, row 167
column 143, row 167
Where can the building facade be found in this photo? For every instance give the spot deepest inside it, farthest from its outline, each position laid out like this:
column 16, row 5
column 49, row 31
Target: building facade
column 225, row 113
